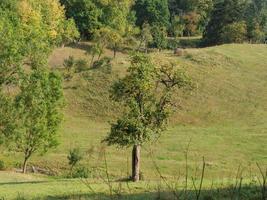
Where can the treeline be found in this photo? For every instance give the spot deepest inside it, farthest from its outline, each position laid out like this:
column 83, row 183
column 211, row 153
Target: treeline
column 219, row 21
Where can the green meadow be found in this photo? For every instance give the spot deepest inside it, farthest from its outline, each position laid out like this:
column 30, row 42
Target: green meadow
column 224, row 120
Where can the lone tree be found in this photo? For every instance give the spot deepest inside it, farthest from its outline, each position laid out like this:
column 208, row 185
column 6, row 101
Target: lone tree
column 146, row 92
column 37, row 117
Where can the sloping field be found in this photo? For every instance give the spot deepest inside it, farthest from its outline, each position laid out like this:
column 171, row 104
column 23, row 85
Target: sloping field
column 225, row 117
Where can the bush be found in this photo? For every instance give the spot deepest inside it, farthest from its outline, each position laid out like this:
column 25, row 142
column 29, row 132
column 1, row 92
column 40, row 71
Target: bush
column 74, row 157
column 159, row 37
column 190, row 42
column 81, row 172
column 2, row 165
column 104, row 63
column 81, row 65
column 191, row 21
column 172, row 43
column 177, row 27
column 69, row 63
column 78, row 65
column 234, row 33
column 257, row 35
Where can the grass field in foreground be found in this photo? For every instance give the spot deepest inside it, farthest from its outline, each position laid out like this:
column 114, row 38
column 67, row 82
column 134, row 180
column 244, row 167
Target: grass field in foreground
column 35, row 187
column 225, row 118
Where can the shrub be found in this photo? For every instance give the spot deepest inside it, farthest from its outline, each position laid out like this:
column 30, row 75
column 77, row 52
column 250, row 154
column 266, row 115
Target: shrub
column 190, row 42
column 69, row 63
column 159, row 37
column 2, row 165
column 191, row 20
column 104, row 63
column 74, row 157
column 234, row 33
column 81, row 172
column 257, row 35
column 177, row 27
column 81, row 65
column 172, row 43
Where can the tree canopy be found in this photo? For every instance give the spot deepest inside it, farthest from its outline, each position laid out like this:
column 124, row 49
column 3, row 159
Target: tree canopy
column 31, row 114
column 146, row 93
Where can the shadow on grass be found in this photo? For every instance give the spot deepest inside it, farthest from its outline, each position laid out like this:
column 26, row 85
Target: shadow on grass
column 22, row 182
column 81, row 45
column 245, row 193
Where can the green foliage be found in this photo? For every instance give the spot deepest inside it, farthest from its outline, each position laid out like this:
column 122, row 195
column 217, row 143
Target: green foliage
column 237, row 21
column 30, row 30
column 2, row 165
column 104, row 64
column 81, row 65
column 71, row 33
column 111, row 38
column 153, row 12
column 81, row 172
column 12, row 47
column 225, row 13
column 74, row 157
column 86, row 15
column 38, row 114
column 146, row 93
column 159, row 37
column 234, row 33
column 92, row 15
column 145, row 36
column 6, row 116
column 257, row 35
column 256, row 19
column 191, row 22
column 194, row 14
column 69, row 63
column 78, row 65
column 177, row 26
column 96, row 49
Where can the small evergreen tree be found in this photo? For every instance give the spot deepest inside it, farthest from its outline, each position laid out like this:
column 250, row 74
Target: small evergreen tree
column 74, row 158
column 159, row 34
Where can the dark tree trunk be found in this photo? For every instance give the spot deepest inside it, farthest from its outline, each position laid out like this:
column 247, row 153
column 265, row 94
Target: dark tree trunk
column 92, row 61
column 24, row 167
column 114, row 52
column 99, row 56
column 136, row 163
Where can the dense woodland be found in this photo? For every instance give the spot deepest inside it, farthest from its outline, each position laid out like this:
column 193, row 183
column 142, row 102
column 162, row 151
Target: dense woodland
column 218, row 21
column 31, row 93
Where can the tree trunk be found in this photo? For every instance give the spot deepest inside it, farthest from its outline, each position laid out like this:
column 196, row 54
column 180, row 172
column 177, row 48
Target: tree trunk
column 24, row 169
column 92, row 61
column 136, row 163
column 114, row 52
column 99, row 56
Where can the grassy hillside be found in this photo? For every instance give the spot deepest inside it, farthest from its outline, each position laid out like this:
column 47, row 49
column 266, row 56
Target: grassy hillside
column 231, row 82
column 225, row 117
column 227, row 112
